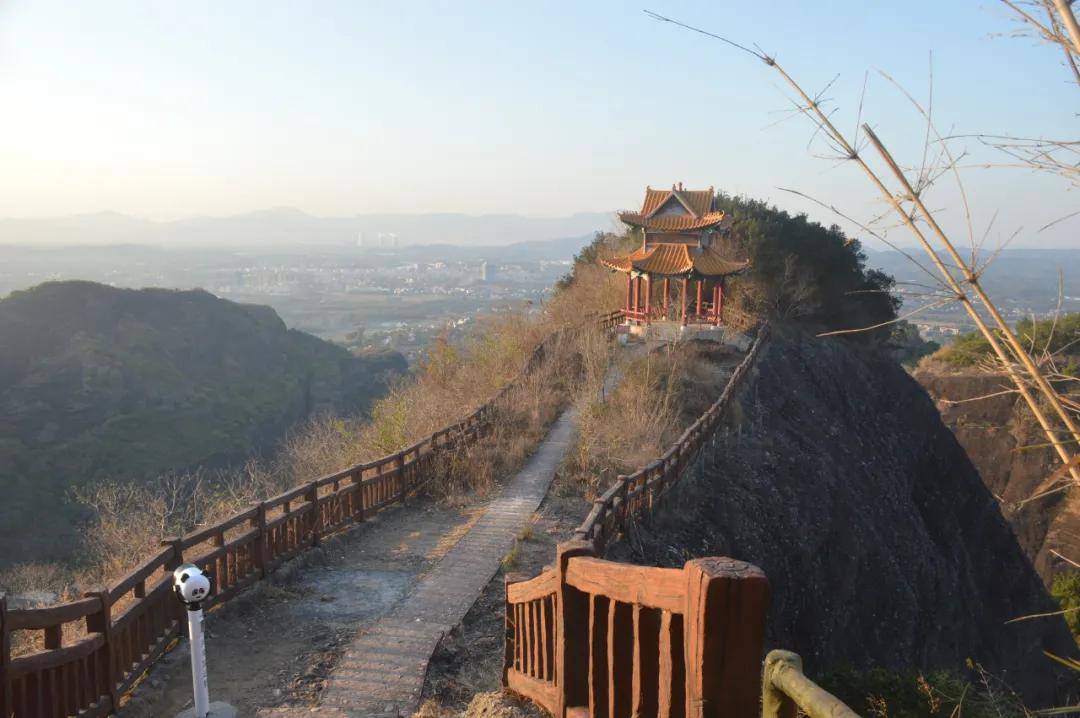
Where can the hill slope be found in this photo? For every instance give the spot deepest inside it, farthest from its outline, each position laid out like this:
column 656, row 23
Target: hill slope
column 993, row 430
column 882, row 544
column 100, row 382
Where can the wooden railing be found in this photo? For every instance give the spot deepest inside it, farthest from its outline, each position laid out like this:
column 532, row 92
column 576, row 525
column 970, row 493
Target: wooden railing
column 598, row 638
column 129, row 623
column 116, row 633
column 787, row 692
column 634, row 496
column 589, row 637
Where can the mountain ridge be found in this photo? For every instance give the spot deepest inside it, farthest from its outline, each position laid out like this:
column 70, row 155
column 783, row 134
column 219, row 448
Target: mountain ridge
column 104, row 383
column 280, row 226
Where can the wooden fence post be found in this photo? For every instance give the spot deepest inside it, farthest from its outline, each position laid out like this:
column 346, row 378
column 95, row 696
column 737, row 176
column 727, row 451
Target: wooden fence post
column 260, row 538
column 774, row 702
column 508, row 621
column 358, row 495
column 102, row 623
column 399, row 466
column 726, row 602
column 312, row 495
column 5, row 659
column 572, row 636
column 171, row 564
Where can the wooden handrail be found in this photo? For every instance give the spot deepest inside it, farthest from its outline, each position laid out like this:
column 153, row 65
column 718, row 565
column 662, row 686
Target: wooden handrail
column 598, row 638
column 129, row 624
column 609, row 517
column 786, row 691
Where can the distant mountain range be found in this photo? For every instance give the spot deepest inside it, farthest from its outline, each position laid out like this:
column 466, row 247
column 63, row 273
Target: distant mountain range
column 1025, row 276
column 290, row 227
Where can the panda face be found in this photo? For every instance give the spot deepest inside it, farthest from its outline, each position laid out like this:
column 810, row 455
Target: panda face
column 192, row 585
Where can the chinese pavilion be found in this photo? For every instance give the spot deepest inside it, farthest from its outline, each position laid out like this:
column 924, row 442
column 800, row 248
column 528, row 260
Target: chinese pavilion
column 681, row 234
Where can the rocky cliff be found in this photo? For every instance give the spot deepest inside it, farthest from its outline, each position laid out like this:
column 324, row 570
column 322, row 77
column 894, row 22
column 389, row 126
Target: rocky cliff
column 101, row 382
column 1008, row 448
column 881, row 543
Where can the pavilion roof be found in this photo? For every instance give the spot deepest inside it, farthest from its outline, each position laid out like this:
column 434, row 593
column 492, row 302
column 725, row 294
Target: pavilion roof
column 676, row 259
column 697, row 210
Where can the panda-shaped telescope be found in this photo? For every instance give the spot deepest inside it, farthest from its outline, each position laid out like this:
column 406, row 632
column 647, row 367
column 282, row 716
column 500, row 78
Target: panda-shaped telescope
column 192, row 587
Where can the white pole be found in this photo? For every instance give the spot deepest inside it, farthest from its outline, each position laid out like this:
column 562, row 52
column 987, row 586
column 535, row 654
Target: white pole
column 198, row 662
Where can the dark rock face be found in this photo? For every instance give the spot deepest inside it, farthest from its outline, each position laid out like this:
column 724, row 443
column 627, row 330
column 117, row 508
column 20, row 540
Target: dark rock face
column 881, row 543
column 98, row 382
column 993, row 430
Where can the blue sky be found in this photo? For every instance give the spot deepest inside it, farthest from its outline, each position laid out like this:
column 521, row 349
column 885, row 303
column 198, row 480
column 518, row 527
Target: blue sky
column 167, row 110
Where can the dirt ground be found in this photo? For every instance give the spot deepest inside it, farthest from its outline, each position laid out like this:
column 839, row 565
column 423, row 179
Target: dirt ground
column 313, row 606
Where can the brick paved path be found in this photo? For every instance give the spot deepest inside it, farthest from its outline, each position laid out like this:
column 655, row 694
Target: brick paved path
column 382, row 672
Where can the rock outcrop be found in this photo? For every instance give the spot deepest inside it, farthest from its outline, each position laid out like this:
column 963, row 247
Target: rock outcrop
column 882, row 545
column 1009, row 449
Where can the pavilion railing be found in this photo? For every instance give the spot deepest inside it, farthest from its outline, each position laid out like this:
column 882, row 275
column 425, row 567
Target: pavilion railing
column 95, row 648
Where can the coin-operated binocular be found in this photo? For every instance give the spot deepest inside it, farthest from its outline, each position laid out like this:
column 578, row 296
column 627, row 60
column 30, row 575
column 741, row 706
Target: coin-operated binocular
column 192, row 587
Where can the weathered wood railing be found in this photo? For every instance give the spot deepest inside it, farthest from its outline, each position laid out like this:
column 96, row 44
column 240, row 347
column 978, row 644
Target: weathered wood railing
column 598, row 638
column 633, row 496
column 589, row 637
column 127, row 625
column 786, row 691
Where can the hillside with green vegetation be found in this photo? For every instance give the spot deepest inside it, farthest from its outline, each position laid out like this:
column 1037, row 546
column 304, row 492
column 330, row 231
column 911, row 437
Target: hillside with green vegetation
column 1056, row 338
column 101, row 383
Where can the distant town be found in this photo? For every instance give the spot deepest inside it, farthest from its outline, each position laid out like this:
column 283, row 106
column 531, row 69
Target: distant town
column 376, row 293
column 367, row 297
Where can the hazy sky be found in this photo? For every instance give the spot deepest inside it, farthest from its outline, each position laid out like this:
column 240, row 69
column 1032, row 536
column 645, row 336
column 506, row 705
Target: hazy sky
column 168, row 110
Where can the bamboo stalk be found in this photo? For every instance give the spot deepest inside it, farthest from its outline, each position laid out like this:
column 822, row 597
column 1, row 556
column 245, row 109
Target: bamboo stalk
column 961, row 296
column 1069, row 21
column 973, row 280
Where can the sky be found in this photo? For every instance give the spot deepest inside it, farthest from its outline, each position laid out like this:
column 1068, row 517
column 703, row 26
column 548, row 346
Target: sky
column 166, row 110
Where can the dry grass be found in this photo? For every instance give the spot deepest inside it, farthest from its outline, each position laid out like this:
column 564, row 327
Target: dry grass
column 658, row 396
column 130, row 519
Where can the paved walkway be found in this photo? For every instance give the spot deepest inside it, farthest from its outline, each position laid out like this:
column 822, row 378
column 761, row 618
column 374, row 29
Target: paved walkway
column 382, row 672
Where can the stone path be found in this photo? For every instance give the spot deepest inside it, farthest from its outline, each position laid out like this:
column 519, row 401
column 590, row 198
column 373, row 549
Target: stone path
column 382, row 672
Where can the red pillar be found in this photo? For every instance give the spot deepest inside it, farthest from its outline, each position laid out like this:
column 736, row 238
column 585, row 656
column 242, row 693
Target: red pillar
column 637, row 293
column 697, row 304
column 667, row 287
column 685, row 281
column 716, row 303
column 648, row 295
column 629, row 290
column 720, row 302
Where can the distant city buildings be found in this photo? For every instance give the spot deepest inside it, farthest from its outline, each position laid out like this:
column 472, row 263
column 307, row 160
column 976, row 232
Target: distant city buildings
column 377, row 240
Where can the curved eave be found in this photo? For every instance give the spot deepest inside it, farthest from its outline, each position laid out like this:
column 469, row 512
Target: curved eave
column 676, row 260
column 673, row 223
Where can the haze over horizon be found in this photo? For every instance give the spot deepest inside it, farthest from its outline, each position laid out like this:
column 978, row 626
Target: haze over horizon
column 165, row 112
